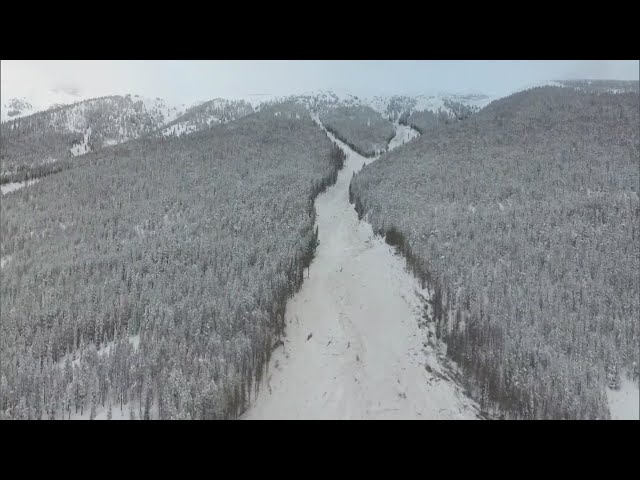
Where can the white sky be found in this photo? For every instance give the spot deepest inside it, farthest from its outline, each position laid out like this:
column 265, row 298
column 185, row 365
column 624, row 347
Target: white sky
column 187, row 81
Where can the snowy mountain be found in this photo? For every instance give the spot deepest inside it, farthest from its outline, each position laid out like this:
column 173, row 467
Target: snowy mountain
column 43, row 130
column 66, row 131
column 602, row 86
column 220, row 110
column 393, row 107
column 16, row 108
column 313, row 256
column 207, row 114
column 37, row 101
column 549, row 174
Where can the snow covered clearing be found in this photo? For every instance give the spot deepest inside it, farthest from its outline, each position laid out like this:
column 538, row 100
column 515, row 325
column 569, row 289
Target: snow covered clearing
column 404, row 134
column 353, row 347
column 83, row 147
column 178, row 129
column 35, row 100
column 4, row 260
column 13, row 186
column 624, row 404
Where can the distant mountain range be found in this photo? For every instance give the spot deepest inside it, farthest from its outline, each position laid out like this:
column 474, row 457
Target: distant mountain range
column 59, row 125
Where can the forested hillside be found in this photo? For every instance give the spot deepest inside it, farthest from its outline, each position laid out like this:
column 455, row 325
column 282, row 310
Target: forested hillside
column 189, row 246
column 524, row 221
column 207, row 115
column 602, row 86
column 425, row 119
column 15, row 107
column 360, row 127
column 33, row 145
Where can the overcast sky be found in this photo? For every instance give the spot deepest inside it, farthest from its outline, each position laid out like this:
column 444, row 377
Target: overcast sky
column 181, row 81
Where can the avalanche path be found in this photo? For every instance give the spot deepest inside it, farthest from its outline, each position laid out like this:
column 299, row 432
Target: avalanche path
column 353, row 347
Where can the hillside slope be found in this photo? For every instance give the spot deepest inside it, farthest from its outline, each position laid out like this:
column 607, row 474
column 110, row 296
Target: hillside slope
column 206, row 115
column 524, row 220
column 356, row 344
column 189, row 243
column 32, row 145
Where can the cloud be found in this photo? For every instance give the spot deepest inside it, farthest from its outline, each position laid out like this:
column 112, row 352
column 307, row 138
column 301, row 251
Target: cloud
column 72, row 90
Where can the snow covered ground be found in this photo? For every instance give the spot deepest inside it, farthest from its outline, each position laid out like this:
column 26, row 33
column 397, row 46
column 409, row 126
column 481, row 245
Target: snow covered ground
column 13, row 186
column 624, row 404
column 4, row 260
column 82, row 147
column 404, row 134
column 178, row 129
column 117, row 413
column 34, row 100
column 354, row 349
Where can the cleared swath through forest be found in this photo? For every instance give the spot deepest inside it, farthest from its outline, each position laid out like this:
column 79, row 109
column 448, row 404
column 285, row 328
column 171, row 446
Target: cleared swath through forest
column 356, row 344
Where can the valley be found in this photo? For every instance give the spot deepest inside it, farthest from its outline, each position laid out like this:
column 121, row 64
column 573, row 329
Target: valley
column 322, row 255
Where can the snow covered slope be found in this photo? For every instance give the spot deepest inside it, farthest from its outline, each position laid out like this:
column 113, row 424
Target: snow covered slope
column 115, row 119
column 624, row 404
column 67, row 131
column 602, row 86
column 207, row 114
column 16, row 108
column 37, row 101
column 404, row 134
column 354, row 348
column 395, row 107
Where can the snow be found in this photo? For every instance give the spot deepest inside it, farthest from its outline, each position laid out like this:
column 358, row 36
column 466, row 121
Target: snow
column 212, row 120
column 353, row 347
column 404, row 134
column 436, row 102
column 134, row 340
column 82, row 147
column 151, row 105
column 40, row 100
column 529, row 86
column 12, row 187
column 624, row 404
column 178, row 129
column 102, row 411
column 76, row 120
column 257, row 99
column 116, row 412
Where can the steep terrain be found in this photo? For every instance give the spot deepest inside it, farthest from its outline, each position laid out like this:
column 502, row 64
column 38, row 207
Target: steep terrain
column 206, row 115
column 190, row 243
column 44, row 142
column 524, row 221
column 357, row 345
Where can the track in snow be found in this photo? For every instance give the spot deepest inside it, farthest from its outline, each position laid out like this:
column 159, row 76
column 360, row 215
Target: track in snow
column 353, row 348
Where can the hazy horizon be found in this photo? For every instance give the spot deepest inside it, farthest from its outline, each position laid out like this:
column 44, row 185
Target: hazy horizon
column 188, row 81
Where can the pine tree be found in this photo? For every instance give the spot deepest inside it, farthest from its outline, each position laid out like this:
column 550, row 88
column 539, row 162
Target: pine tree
column 94, row 398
